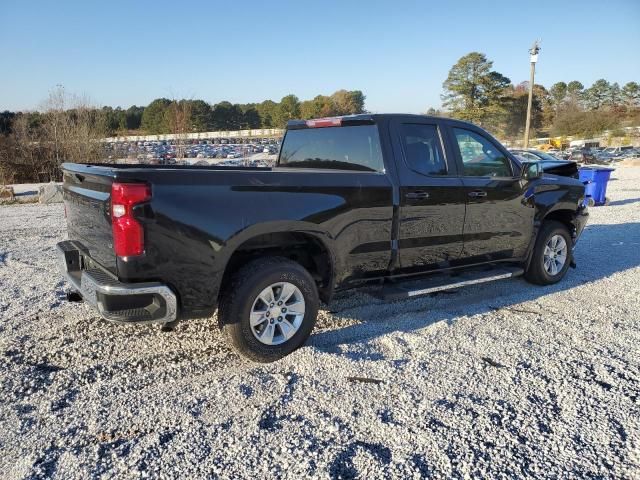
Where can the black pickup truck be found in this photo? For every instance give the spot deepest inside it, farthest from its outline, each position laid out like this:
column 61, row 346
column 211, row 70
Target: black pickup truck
column 412, row 203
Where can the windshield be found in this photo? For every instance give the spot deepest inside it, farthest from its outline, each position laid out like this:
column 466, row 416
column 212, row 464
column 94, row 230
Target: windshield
column 547, row 156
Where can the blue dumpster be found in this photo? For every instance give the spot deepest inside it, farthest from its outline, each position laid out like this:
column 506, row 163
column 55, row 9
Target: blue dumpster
column 595, row 181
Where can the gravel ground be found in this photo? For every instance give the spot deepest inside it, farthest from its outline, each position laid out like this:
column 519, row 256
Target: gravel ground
column 503, row 380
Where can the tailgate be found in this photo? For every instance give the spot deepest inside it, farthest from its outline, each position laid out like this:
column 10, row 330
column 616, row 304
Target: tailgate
column 87, row 201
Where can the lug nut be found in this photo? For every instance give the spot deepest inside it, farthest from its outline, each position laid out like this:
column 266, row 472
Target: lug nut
column 284, row 310
column 279, row 319
column 271, row 321
column 267, row 314
column 280, row 302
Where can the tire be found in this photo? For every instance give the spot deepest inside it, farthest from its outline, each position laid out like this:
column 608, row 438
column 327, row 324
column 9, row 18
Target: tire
column 242, row 301
column 537, row 272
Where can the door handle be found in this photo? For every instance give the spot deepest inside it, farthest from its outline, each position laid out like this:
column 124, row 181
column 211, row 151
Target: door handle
column 477, row 194
column 419, row 195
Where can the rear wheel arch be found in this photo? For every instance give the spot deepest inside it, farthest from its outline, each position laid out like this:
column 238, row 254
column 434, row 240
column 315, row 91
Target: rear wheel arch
column 307, row 249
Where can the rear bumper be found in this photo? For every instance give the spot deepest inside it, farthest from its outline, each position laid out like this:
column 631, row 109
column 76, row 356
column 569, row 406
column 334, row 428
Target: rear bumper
column 116, row 301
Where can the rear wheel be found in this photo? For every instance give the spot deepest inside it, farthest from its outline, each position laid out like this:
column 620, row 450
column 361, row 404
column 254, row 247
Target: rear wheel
column 551, row 254
column 269, row 309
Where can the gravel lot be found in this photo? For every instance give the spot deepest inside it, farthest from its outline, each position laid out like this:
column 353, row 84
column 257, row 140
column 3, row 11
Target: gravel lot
column 503, row 380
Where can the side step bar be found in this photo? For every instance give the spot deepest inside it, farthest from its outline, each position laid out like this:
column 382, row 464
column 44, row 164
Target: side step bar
column 440, row 282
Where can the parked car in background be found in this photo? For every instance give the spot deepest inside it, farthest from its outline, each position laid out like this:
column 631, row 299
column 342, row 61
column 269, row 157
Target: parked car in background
column 618, row 150
column 583, row 155
column 549, row 163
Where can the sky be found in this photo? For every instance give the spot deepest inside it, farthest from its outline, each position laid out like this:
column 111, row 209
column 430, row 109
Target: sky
column 398, row 53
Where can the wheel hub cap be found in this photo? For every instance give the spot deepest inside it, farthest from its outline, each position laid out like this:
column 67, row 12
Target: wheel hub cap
column 555, row 254
column 277, row 313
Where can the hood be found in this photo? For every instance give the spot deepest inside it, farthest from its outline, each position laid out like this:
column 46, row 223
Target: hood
column 560, row 167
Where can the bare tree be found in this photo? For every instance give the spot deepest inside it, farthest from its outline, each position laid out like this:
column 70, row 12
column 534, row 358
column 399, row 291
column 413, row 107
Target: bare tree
column 7, row 147
column 179, row 121
column 71, row 128
column 30, row 151
column 67, row 128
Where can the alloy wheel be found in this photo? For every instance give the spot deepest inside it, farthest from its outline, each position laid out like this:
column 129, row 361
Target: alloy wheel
column 277, row 313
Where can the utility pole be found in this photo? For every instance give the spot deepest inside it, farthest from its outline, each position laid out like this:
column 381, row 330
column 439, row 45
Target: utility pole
column 533, row 55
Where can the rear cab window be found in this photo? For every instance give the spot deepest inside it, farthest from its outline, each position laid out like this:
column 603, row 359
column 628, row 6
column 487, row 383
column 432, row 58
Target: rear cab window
column 355, row 147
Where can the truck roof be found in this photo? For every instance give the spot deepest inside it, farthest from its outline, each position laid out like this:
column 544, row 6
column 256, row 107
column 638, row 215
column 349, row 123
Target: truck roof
column 365, row 118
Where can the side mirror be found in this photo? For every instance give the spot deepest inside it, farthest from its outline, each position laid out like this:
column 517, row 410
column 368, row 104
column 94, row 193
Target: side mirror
column 531, row 170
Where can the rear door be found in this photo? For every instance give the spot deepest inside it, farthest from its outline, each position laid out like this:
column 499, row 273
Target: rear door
column 87, row 201
column 432, row 197
column 342, row 186
column 499, row 219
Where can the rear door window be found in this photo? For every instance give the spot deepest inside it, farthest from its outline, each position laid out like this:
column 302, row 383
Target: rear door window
column 423, row 148
column 354, row 147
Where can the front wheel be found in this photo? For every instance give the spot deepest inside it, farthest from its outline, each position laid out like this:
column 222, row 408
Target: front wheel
column 269, row 309
column 551, row 254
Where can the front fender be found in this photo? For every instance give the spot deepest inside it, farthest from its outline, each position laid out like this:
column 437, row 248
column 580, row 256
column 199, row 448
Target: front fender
column 558, row 198
column 553, row 197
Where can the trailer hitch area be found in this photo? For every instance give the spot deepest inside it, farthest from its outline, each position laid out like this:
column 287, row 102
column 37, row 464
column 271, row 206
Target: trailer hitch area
column 73, row 296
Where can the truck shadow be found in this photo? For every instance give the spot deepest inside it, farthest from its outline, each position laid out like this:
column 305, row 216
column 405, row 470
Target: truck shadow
column 626, row 201
column 602, row 251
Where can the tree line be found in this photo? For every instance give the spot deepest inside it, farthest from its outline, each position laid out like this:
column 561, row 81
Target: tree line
column 267, row 114
column 475, row 92
column 68, row 128
column 200, row 116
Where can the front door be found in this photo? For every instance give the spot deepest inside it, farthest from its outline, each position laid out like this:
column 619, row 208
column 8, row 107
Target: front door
column 432, row 198
column 499, row 220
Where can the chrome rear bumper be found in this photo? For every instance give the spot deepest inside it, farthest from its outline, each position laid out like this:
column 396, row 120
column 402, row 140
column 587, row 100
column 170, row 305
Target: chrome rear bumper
column 116, row 301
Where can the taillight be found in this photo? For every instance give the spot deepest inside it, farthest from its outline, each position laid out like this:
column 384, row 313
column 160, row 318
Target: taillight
column 128, row 234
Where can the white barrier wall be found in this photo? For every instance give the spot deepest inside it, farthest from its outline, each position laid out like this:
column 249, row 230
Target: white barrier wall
column 274, row 132
column 253, row 133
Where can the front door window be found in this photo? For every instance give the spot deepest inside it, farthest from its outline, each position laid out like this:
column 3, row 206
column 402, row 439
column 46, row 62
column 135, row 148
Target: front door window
column 480, row 157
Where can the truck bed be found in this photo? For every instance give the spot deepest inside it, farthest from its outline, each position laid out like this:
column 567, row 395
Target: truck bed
column 87, row 191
